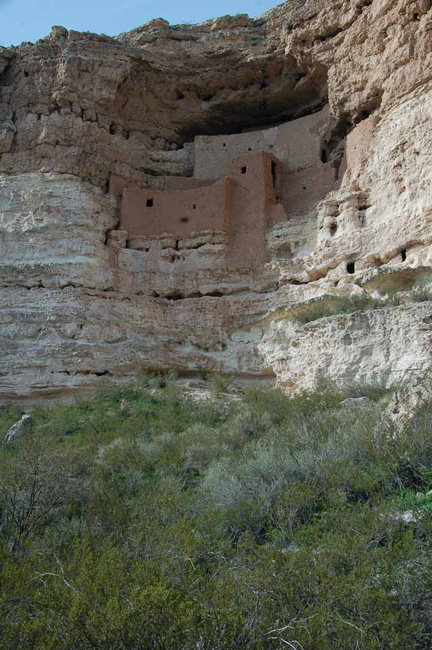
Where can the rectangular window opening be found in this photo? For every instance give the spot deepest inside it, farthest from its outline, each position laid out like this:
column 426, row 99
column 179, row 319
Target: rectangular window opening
column 150, row 203
column 273, row 172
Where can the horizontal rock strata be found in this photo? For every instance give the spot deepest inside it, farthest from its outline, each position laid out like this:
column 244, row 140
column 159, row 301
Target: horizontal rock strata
column 84, row 299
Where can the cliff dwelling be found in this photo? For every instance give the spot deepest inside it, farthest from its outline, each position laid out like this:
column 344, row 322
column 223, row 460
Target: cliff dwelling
column 182, row 196
column 243, row 184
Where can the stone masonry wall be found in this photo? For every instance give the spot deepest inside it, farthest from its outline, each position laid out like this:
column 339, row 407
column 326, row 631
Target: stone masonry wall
column 296, row 144
column 178, row 212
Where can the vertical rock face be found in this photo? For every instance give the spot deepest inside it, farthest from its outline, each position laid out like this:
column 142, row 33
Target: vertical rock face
column 338, row 93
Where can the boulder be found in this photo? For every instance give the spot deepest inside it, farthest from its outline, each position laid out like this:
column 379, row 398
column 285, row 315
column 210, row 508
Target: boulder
column 407, row 401
column 18, row 430
column 357, row 401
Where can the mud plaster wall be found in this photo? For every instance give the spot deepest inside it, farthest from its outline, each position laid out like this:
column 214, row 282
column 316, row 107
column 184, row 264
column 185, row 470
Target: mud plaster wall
column 240, row 204
column 296, row 144
column 182, row 183
column 254, row 195
column 189, row 205
column 180, row 212
column 304, row 188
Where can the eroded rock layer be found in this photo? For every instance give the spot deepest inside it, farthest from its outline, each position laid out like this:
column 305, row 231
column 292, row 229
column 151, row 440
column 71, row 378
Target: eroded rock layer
column 87, row 122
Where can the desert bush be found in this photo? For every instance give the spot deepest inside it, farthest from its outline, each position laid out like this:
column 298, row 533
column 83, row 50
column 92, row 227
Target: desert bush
column 270, row 521
column 36, row 482
column 421, row 295
column 334, row 305
column 220, row 382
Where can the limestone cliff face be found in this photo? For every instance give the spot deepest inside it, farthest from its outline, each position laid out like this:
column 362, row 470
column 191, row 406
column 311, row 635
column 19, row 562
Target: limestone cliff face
column 83, row 298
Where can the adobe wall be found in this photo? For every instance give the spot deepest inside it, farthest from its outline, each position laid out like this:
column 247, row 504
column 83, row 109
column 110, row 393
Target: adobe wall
column 184, row 183
column 296, row 144
column 179, row 212
column 117, row 184
column 239, row 204
column 254, row 192
column 305, row 187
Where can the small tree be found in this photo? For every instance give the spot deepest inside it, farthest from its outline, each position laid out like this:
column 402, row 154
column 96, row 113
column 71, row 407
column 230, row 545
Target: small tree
column 35, row 481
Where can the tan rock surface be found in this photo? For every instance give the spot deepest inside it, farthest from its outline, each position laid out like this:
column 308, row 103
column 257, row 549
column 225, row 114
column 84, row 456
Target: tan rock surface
column 382, row 347
column 83, row 299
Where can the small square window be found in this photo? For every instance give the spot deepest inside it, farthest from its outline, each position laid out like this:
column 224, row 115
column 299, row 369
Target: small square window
column 150, row 203
column 350, row 267
column 243, row 170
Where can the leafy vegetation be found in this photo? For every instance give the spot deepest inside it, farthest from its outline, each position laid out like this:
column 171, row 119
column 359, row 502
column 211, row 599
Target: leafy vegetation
column 421, row 295
column 343, row 304
column 146, row 519
column 334, row 305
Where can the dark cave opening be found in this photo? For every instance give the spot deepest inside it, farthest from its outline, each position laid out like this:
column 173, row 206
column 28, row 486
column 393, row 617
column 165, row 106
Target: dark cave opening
column 282, row 98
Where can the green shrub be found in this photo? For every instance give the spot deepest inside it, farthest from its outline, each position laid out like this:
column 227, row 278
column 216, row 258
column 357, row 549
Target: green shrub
column 421, row 295
column 145, row 519
column 219, row 383
column 334, row 305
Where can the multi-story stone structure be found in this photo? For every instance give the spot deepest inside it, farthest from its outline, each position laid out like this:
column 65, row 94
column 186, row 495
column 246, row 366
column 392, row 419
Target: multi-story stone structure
column 243, row 184
column 170, row 268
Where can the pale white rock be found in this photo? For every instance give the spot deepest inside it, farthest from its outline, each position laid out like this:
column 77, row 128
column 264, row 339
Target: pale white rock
column 382, row 347
column 357, row 402
column 83, row 300
column 7, row 133
column 19, row 430
column 407, row 401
